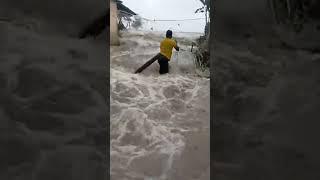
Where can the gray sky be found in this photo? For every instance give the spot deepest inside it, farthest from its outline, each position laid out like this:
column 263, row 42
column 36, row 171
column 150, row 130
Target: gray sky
column 169, row 9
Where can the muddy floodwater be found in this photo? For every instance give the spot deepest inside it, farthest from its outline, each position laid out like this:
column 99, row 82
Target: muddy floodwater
column 159, row 125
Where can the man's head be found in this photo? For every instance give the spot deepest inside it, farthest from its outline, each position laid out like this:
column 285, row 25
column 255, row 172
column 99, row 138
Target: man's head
column 169, row 34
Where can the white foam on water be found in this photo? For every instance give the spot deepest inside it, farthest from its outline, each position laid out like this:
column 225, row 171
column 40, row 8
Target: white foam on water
column 149, row 112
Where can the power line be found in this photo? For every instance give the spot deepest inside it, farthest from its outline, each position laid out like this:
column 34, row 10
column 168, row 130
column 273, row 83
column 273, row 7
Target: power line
column 174, row 19
column 147, row 19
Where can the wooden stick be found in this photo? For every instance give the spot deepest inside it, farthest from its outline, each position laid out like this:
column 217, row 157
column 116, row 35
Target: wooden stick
column 148, row 63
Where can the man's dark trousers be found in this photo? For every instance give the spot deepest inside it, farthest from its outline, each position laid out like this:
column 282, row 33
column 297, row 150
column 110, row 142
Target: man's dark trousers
column 164, row 64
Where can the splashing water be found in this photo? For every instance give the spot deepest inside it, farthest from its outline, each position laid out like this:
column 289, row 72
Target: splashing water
column 151, row 114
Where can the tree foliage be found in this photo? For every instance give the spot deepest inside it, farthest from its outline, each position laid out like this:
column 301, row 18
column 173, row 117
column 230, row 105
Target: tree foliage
column 205, row 9
column 137, row 23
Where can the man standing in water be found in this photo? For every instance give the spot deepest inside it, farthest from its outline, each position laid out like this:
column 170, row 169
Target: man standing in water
column 166, row 46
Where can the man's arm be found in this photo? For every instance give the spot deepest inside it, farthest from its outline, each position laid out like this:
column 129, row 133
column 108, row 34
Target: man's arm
column 176, row 46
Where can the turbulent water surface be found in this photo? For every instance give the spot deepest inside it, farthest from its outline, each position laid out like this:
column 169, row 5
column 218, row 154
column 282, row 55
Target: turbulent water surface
column 159, row 123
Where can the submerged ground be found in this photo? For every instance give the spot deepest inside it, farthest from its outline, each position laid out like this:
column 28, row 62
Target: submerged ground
column 159, row 124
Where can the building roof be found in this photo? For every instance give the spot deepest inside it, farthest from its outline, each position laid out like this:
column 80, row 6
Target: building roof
column 124, row 8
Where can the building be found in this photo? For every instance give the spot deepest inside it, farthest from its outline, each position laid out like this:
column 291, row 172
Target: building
column 116, row 6
column 114, row 32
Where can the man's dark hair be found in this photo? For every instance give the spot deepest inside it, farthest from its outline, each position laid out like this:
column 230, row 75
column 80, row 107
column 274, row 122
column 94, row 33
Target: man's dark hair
column 169, row 34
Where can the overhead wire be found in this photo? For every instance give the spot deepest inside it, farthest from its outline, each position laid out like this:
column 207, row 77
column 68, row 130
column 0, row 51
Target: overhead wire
column 148, row 19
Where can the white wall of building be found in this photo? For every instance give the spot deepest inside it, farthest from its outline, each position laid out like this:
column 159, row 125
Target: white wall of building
column 114, row 33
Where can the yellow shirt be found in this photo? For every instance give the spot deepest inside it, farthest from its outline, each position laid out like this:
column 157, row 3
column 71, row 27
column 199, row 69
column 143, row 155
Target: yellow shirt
column 166, row 47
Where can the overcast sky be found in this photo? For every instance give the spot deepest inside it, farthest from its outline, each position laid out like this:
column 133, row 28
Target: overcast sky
column 169, row 9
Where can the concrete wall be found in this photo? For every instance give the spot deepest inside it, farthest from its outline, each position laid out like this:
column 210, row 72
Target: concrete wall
column 114, row 34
